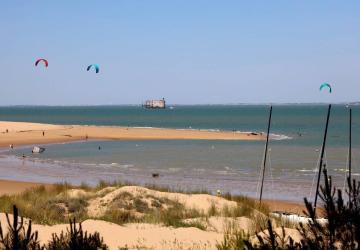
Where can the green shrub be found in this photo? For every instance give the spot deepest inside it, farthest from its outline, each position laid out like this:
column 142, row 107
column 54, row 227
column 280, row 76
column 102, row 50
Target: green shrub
column 342, row 230
column 76, row 239
column 118, row 216
column 18, row 238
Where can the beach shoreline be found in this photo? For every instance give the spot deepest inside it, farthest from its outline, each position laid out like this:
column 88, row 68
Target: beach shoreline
column 24, row 133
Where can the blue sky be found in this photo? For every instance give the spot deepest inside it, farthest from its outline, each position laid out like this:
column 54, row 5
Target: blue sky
column 190, row 52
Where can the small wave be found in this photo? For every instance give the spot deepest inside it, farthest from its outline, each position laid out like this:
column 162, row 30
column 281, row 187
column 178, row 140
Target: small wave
column 279, row 137
column 200, row 129
column 221, row 172
column 89, row 164
column 118, row 165
column 210, row 130
column 126, row 165
column 199, row 169
column 308, row 170
column 174, row 169
column 146, row 127
column 341, row 170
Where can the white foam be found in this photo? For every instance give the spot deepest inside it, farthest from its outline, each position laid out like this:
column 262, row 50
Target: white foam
column 279, row 137
column 308, row 170
column 341, row 170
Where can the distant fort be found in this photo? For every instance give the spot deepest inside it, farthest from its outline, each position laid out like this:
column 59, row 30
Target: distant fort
column 155, row 104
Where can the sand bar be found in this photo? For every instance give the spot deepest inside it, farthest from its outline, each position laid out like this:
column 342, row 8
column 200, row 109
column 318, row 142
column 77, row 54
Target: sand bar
column 23, row 133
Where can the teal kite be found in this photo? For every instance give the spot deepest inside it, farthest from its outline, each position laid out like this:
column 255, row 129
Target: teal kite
column 325, row 84
column 97, row 69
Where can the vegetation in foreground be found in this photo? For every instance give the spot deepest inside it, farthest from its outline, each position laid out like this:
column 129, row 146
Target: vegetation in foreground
column 341, row 232
column 58, row 204
column 20, row 238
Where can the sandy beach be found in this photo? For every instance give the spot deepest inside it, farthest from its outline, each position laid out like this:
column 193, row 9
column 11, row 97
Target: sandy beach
column 22, row 133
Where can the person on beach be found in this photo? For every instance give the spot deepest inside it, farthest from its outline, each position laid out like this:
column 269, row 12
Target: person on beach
column 11, row 146
column 43, row 133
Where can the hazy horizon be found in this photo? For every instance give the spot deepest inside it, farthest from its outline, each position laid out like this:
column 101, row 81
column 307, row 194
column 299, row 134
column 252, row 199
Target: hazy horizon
column 184, row 104
column 190, row 53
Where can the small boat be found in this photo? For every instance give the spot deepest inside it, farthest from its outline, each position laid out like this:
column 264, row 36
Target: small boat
column 155, row 175
column 37, row 150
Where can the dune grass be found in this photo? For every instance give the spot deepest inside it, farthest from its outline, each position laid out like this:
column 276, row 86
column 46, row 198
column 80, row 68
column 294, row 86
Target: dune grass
column 46, row 205
column 53, row 205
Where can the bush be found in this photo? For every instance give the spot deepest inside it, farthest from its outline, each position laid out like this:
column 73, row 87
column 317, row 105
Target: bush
column 342, row 231
column 18, row 238
column 233, row 240
column 76, row 239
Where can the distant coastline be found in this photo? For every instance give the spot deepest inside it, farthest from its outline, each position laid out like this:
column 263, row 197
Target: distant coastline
column 355, row 103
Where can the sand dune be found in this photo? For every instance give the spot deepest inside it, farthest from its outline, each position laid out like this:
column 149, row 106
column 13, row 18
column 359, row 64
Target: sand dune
column 136, row 235
column 152, row 236
column 199, row 202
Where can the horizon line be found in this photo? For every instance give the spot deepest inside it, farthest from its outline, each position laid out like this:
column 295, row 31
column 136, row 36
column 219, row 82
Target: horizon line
column 177, row 104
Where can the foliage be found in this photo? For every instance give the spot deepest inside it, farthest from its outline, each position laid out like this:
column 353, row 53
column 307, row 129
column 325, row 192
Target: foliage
column 20, row 238
column 343, row 227
column 76, row 239
column 17, row 237
column 233, row 240
column 273, row 241
column 54, row 203
column 342, row 230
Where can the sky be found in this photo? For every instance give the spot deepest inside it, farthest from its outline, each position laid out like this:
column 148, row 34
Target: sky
column 189, row 52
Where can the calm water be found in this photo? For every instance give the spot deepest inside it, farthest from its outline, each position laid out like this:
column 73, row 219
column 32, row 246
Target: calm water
column 212, row 165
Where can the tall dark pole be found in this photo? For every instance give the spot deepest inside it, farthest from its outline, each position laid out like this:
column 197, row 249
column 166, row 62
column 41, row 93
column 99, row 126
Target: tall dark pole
column 265, row 155
column 350, row 121
column 322, row 156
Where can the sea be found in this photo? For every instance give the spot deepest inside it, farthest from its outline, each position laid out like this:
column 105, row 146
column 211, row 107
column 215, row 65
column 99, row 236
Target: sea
column 234, row 167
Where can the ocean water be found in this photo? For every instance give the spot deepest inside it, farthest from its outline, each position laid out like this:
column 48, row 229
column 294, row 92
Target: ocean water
column 230, row 166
